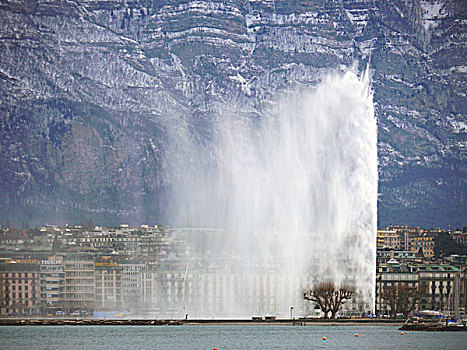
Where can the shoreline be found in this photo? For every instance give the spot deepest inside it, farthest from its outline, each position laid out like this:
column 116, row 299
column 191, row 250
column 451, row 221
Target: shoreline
column 194, row 322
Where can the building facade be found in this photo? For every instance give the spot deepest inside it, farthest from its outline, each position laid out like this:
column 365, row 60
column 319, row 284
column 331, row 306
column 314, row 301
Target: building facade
column 108, row 284
column 79, row 282
column 440, row 287
column 20, row 289
column 52, row 285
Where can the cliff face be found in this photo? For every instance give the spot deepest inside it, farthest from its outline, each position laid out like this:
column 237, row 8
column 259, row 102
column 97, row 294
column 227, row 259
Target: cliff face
column 90, row 91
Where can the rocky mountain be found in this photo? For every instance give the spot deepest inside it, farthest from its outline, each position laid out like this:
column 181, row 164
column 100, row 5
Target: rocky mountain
column 90, row 91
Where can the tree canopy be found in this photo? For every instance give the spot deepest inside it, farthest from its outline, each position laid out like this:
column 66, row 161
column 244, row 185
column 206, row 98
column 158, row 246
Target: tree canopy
column 329, row 298
column 403, row 298
column 445, row 245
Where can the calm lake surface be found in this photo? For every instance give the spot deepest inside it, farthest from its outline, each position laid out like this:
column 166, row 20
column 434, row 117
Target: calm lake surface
column 224, row 337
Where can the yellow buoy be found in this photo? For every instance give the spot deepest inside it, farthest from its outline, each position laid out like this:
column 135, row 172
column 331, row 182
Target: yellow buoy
column 356, row 334
column 324, row 338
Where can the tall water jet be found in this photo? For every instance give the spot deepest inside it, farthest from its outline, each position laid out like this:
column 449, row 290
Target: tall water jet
column 294, row 194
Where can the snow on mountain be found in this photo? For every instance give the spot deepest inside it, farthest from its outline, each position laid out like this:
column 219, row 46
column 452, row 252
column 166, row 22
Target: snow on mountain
column 91, row 90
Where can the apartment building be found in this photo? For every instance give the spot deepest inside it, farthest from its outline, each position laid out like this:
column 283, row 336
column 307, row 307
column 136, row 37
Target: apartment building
column 52, row 284
column 407, row 238
column 441, row 286
column 108, row 284
column 79, row 282
column 425, row 243
column 20, row 289
column 388, row 239
column 132, row 284
column 442, row 283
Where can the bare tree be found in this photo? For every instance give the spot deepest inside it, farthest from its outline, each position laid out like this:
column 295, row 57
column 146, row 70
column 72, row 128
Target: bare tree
column 329, row 298
column 403, row 298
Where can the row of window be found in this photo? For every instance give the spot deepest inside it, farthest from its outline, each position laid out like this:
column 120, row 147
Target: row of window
column 20, row 281
column 89, row 266
column 109, row 278
column 89, row 289
column 24, row 296
column 107, row 291
column 87, row 296
column 20, row 287
column 79, row 281
column 109, row 284
column 80, row 274
column 21, row 274
column 45, row 275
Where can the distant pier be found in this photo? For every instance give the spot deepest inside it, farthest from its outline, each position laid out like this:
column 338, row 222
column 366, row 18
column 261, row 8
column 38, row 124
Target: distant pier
column 433, row 328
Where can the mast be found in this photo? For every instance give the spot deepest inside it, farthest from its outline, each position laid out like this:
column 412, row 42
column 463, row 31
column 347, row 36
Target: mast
column 456, row 294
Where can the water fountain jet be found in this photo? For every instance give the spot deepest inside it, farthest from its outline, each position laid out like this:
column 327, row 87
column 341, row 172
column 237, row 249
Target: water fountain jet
column 295, row 195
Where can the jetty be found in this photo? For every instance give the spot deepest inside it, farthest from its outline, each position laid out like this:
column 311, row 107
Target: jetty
column 194, row 322
column 433, row 328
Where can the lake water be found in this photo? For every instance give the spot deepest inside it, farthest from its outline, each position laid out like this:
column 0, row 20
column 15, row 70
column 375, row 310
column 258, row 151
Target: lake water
column 224, row 337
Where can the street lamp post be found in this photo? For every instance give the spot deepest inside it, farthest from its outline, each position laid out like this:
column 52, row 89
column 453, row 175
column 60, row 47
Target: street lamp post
column 380, row 293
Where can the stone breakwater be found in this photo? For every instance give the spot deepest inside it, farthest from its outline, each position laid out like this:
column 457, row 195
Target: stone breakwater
column 152, row 322
column 87, row 322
